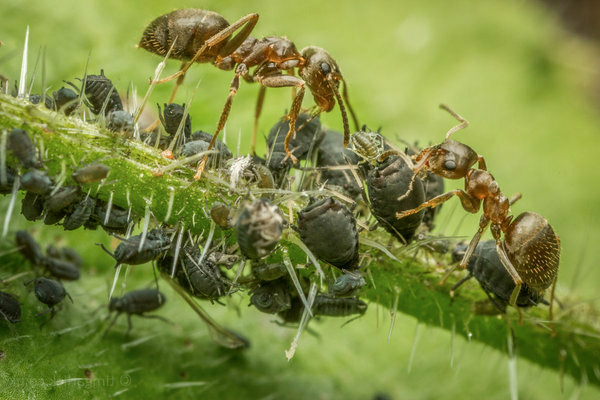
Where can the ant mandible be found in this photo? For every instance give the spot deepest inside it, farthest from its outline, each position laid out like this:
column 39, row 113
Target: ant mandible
column 209, row 33
column 530, row 251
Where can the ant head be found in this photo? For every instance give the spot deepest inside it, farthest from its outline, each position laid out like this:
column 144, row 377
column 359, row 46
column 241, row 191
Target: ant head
column 450, row 159
column 322, row 75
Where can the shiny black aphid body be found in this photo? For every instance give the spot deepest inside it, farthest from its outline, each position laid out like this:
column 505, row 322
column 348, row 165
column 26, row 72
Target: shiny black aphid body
column 28, row 247
column 65, row 100
column 80, row 214
column 328, row 228
column 156, row 243
column 199, row 142
column 59, row 201
column 22, row 147
column 386, row 182
column 486, row 267
column 338, row 307
column 259, row 228
column 118, row 218
column 171, row 118
column 136, row 302
column 35, row 181
column 32, row 206
column 10, row 310
column 332, row 153
column 60, row 268
column 272, row 297
column 49, row 292
column 307, row 139
column 97, row 89
column 119, row 120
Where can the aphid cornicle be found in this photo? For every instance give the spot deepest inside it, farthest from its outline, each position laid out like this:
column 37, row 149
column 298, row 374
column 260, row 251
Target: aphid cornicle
column 97, row 89
column 10, row 309
column 49, row 292
column 485, row 266
column 328, row 228
column 338, row 307
column 137, row 302
column 271, row 297
column 530, row 251
column 157, row 242
column 259, row 228
column 22, row 147
column 389, row 187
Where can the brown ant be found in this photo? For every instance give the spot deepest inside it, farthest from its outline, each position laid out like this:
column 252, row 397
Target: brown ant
column 209, row 33
column 530, row 251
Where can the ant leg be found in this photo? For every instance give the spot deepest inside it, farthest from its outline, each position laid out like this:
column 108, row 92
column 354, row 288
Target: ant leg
column 233, row 88
column 345, row 96
column 287, row 81
column 510, row 269
column 463, row 122
column 469, row 203
column 550, row 315
column 483, row 224
column 481, row 163
column 257, row 111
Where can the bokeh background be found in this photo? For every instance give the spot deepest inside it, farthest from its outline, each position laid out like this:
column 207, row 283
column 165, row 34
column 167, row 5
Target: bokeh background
column 528, row 83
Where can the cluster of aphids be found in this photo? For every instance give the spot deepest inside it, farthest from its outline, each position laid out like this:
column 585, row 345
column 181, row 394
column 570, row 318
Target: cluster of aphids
column 342, row 183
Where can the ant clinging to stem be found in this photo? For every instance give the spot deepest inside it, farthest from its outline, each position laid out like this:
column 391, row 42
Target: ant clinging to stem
column 530, row 251
column 195, row 35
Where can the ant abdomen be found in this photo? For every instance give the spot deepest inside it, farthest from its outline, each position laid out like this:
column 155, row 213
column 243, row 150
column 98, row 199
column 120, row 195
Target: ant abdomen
column 534, row 249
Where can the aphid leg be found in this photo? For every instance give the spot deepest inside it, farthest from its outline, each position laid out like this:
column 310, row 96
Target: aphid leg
column 458, row 284
column 483, row 224
column 112, row 323
column 463, row 122
column 257, row 111
column 129, row 326
column 156, row 317
column 345, row 96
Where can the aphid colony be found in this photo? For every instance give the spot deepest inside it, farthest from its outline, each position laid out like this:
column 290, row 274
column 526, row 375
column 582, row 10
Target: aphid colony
column 355, row 180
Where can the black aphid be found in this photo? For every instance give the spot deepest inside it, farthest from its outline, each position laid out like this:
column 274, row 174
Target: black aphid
column 90, row 173
column 80, row 214
column 28, row 247
column 119, row 121
column 328, row 228
column 118, row 218
column 128, row 251
column 66, row 100
column 10, row 310
column 332, row 153
column 22, row 147
column 48, row 101
column 60, row 268
column 338, row 307
column 32, row 206
column 259, row 228
column 347, row 285
column 272, row 297
column 137, row 302
column 49, row 292
column 62, row 199
column 97, row 89
column 36, row 181
column 171, row 118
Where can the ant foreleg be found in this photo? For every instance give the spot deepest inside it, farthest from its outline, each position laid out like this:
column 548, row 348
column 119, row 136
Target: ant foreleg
column 257, row 111
column 483, row 224
column 469, row 203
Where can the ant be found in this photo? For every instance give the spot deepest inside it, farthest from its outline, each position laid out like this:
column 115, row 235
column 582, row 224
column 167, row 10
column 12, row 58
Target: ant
column 209, row 33
column 530, row 251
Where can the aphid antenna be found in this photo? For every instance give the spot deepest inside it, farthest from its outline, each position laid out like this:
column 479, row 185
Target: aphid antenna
column 3, row 174
column 292, row 272
column 177, row 250
column 394, row 312
column 175, row 142
column 11, row 205
column 146, row 224
column 23, row 76
column 33, row 76
column 312, row 293
column 157, row 72
column 295, row 240
column 413, row 350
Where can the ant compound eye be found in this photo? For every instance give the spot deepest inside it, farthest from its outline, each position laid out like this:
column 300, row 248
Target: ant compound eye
column 450, row 165
column 325, row 68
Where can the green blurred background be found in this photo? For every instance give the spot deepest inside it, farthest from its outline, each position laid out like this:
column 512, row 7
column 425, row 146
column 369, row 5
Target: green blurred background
column 524, row 82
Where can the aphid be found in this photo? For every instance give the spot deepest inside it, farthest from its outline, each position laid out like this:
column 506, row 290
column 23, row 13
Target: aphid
column 268, row 272
column 36, row 182
column 97, row 89
column 391, row 188
column 22, row 147
column 66, row 196
column 28, row 247
column 66, row 254
column 66, row 100
column 32, row 206
column 48, row 101
column 338, row 307
column 128, row 251
column 199, row 142
column 80, row 214
column 259, row 228
column 137, row 302
column 485, row 266
column 530, row 251
column 49, row 292
column 119, row 121
column 205, row 280
column 171, row 118
column 347, row 285
column 221, row 215
column 307, row 139
column 370, row 146
column 294, row 313
column 118, row 218
column 271, row 297
column 10, row 310
column 331, row 153
column 60, row 268
column 90, row 173
column 328, row 228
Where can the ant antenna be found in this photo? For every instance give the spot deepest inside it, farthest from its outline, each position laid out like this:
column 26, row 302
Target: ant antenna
column 463, row 122
column 335, row 91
